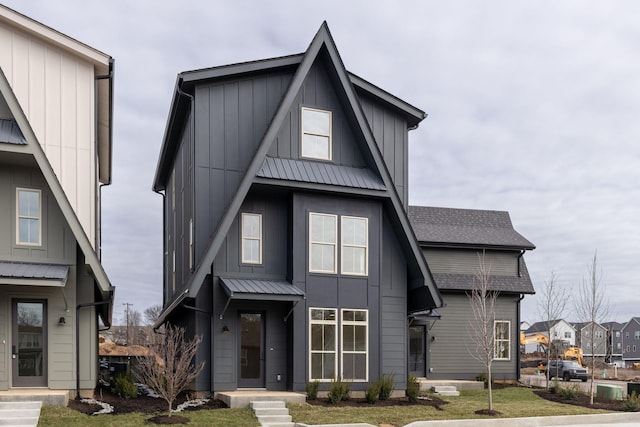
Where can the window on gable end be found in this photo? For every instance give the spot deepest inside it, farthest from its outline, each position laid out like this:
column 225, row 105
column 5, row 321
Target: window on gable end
column 251, row 238
column 316, row 134
column 28, row 217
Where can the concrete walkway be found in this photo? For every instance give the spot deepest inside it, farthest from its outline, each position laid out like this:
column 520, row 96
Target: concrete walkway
column 620, row 419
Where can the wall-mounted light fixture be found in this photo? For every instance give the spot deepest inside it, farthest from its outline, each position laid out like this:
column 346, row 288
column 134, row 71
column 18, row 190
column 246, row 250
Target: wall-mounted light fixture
column 225, row 330
column 62, row 321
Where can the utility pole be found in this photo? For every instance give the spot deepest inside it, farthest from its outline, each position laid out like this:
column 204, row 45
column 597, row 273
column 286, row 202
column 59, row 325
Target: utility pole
column 126, row 314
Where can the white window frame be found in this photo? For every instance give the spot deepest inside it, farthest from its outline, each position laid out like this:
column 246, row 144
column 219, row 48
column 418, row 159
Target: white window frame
column 245, row 238
column 506, row 340
column 334, row 243
column 353, row 245
column 308, row 132
column 636, row 335
column 38, row 217
column 343, row 352
column 191, row 245
column 567, row 334
column 333, row 323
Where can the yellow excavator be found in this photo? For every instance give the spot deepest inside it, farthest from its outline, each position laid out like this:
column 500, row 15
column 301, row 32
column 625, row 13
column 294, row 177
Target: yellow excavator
column 558, row 348
column 540, row 339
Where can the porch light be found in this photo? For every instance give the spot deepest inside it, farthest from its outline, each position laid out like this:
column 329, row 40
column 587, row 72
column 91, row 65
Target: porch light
column 62, row 321
column 225, row 330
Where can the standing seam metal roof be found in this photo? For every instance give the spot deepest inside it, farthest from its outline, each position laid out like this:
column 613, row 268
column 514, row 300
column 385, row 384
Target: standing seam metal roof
column 235, row 286
column 319, row 173
column 24, row 270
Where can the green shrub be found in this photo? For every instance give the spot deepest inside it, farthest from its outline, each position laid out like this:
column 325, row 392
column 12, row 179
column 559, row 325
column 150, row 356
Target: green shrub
column 632, row 403
column 339, row 390
column 413, row 389
column 554, row 387
column 569, row 392
column 386, row 386
column 124, row 386
column 312, row 390
column 373, row 392
column 483, row 378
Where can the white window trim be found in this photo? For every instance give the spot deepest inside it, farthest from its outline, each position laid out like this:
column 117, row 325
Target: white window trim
column 335, row 344
column 303, row 133
column 191, row 245
column 507, row 340
column 259, row 239
column 365, row 246
column 335, row 244
column 39, row 218
column 343, row 352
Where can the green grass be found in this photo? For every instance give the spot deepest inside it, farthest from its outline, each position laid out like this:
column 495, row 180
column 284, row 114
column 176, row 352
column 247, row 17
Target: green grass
column 511, row 402
column 51, row 416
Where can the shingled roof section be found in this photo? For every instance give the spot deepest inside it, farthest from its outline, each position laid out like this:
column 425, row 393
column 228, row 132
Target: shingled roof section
column 465, row 282
column 465, row 227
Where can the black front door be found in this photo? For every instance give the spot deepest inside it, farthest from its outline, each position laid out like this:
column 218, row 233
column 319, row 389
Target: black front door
column 417, row 350
column 252, row 352
column 29, row 343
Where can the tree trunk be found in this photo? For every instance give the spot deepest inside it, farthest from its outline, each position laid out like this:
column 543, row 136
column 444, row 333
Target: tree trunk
column 489, row 388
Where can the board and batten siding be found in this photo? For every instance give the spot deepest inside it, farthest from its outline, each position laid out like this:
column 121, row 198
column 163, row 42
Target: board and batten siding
column 56, row 91
column 460, row 261
column 391, row 134
column 451, row 347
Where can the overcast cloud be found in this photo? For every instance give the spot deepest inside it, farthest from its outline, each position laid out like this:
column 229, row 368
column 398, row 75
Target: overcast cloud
column 534, row 108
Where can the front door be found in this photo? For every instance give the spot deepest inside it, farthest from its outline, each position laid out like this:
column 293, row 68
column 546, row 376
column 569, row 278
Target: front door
column 251, row 350
column 417, row 350
column 29, row 343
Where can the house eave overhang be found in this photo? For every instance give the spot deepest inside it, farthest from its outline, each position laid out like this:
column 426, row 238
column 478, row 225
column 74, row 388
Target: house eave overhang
column 479, row 245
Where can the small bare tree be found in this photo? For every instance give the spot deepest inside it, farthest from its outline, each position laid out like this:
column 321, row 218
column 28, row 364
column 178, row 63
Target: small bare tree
column 170, row 370
column 551, row 306
column 592, row 307
column 482, row 326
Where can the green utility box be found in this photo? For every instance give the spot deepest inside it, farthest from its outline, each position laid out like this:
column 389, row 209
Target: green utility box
column 609, row 392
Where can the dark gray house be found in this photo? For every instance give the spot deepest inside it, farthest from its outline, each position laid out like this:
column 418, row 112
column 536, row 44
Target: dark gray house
column 591, row 338
column 453, row 242
column 631, row 342
column 287, row 244
column 614, row 341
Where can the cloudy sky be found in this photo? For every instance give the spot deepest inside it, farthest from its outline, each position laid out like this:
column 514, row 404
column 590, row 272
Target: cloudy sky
column 534, row 108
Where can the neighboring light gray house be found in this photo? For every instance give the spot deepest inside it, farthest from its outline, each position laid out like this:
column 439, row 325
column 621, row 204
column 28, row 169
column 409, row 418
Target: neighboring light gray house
column 453, row 242
column 55, row 154
column 614, row 341
column 287, row 246
column 631, row 342
column 563, row 334
column 591, row 346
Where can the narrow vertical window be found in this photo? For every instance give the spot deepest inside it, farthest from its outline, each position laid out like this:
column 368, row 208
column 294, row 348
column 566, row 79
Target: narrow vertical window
column 173, row 270
column 355, row 345
column 316, row 134
column 502, row 340
column 28, row 217
column 323, row 338
column 355, row 244
column 251, row 238
column 322, row 243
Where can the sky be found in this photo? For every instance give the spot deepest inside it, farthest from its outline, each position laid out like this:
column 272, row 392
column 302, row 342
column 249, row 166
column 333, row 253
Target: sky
column 533, row 108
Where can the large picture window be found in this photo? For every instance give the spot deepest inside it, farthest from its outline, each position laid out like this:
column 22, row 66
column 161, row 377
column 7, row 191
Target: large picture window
column 355, row 357
column 322, row 243
column 323, row 337
column 355, row 235
column 502, row 340
column 28, row 217
column 251, row 238
column 316, row 134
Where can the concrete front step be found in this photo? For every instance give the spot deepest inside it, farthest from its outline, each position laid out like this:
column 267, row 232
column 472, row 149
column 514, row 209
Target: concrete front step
column 242, row 398
column 445, row 390
column 427, row 384
column 272, row 413
column 46, row 397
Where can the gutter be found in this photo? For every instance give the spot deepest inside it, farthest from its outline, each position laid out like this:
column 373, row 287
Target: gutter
column 518, row 364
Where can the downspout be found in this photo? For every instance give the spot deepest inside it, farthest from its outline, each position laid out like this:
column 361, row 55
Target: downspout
column 98, row 215
column 520, row 298
column 78, row 307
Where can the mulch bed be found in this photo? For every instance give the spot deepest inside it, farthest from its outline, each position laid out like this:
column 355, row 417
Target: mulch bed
column 434, row 401
column 582, row 400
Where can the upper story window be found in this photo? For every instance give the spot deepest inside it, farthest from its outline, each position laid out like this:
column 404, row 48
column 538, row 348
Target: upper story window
column 322, row 242
column 316, row 134
column 251, row 238
column 502, row 340
column 617, row 334
column 636, row 335
column 599, row 334
column 567, row 334
column 28, row 217
column 355, row 233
